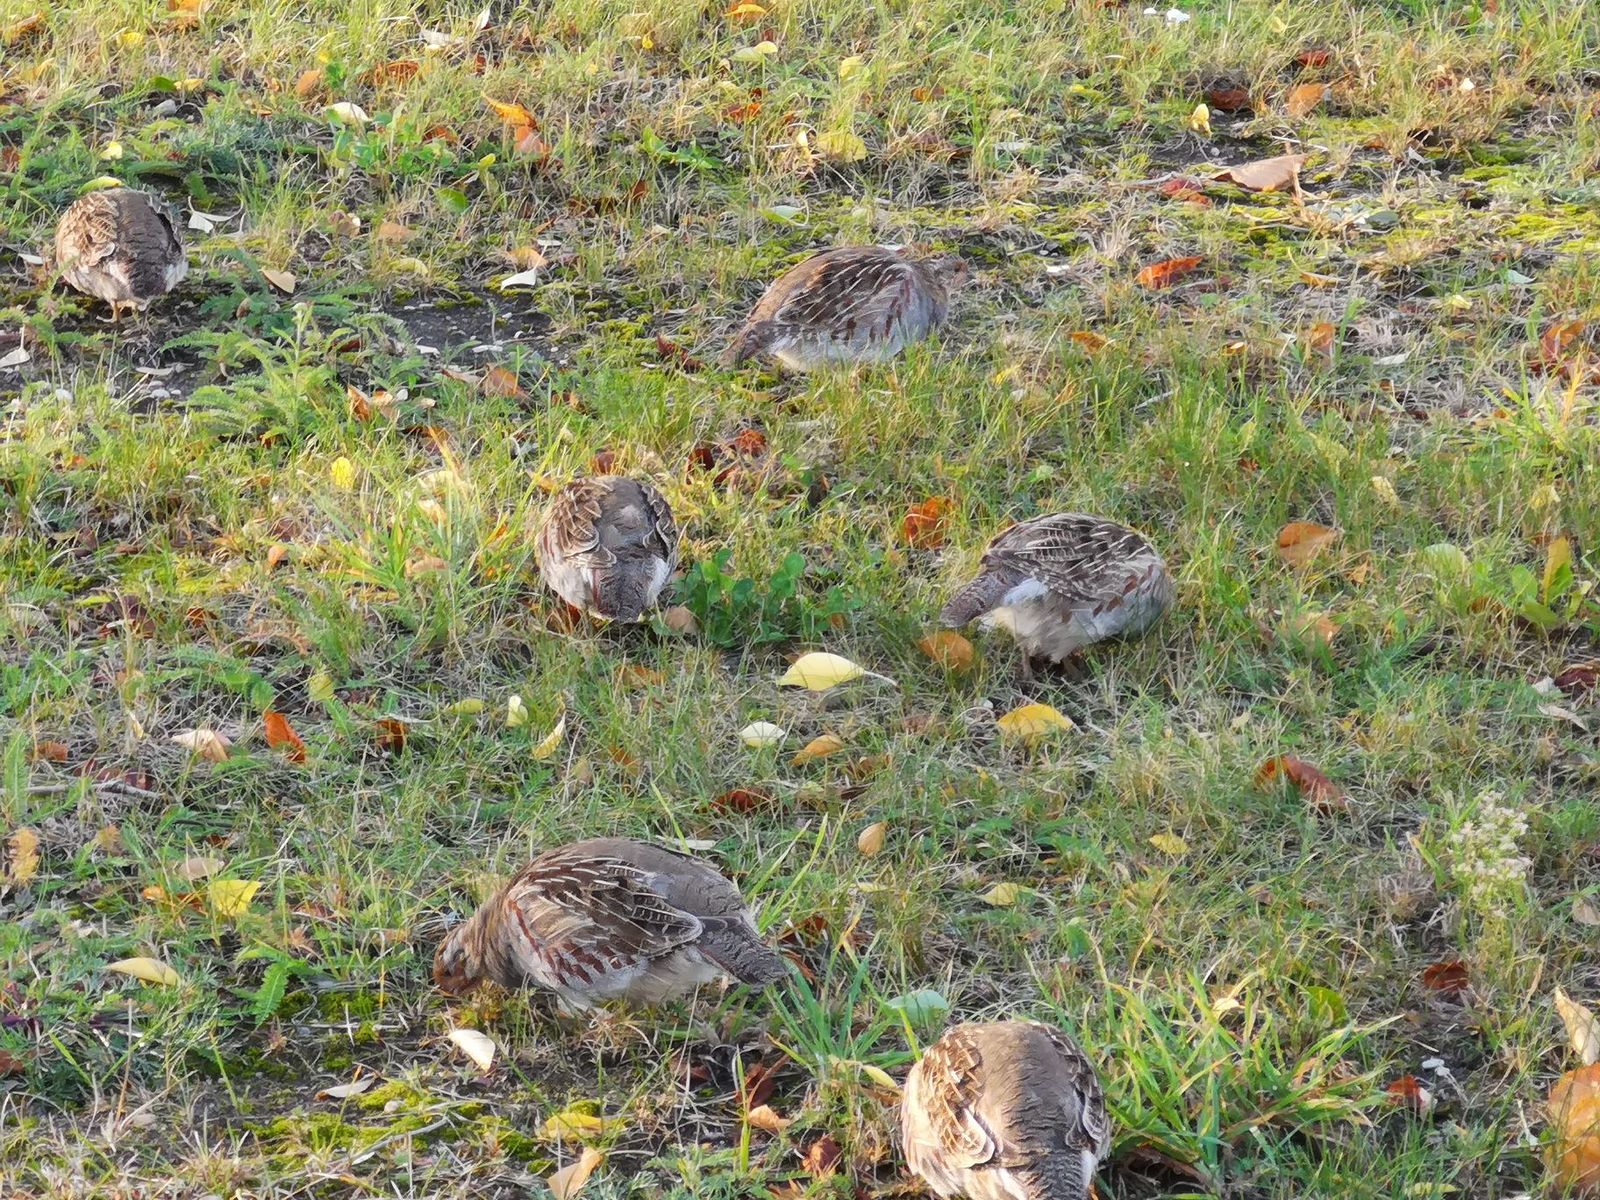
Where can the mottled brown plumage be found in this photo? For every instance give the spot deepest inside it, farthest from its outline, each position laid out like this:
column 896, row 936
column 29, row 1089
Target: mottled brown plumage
column 609, row 919
column 120, row 245
column 853, row 304
column 1063, row 582
column 608, row 546
column 1006, row 1111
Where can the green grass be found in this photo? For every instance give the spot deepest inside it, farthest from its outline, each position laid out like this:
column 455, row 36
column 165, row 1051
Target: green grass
column 191, row 559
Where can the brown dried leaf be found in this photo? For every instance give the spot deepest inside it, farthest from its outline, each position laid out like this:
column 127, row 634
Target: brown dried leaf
column 50, row 752
column 1301, row 541
column 1323, row 794
column 743, row 800
column 500, row 381
column 1448, row 978
column 1575, row 1123
column 392, row 734
column 1304, row 97
column 1265, row 174
column 948, row 649
column 1409, row 1092
column 822, row 1157
column 923, row 526
column 22, row 857
column 281, row 736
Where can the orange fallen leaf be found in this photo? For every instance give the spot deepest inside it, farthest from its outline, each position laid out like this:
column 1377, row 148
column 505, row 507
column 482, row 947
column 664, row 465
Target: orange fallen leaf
column 1164, row 274
column 1089, row 340
column 50, row 752
column 1301, row 541
column 948, row 649
column 1319, row 338
column 512, row 113
column 281, row 736
column 1227, row 98
column 1323, row 794
column 20, row 31
column 392, row 734
column 308, row 83
column 1304, row 97
column 1575, row 1121
column 1315, row 57
column 1409, row 1091
column 1447, row 978
column 500, row 381
column 743, row 800
column 818, row 747
column 923, row 527
column 402, row 70
column 276, row 553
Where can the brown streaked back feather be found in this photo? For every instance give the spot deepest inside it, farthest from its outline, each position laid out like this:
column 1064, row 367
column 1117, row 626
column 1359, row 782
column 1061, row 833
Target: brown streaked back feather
column 120, row 244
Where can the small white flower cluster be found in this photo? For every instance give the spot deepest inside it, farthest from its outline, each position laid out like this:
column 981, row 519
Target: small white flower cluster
column 1485, row 857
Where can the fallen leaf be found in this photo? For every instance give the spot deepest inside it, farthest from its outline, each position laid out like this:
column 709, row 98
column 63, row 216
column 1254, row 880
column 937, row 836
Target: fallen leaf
column 392, row 733
column 1574, row 1152
column 923, row 526
column 1228, row 98
column 1031, row 722
column 569, row 1180
column 1200, row 120
column 1583, row 1030
column 348, row 113
column 1004, row 895
column 22, row 857
column 1585, row 911
column 281, row 736
column 1449, row 978
column 822, row 1157
column 870, row 840
column 392, row 232
column 1316, row 57
column 1323, row 794
column 12, row 1065
column 841, row 145
column 1578, row 679
column 1089, row 340
column 849, row 66
column 147, row 970
column 1302, row 98
column 762, row 733
column 762, row 1117
column 1409, row 1091
column 1301, row 541
column 343, row 1091
column 231, row 897
column 819, row 671
column 818, row 747
column 522, row 279
column 500, row 381
column 746, row 11
column 342, row 473
column 23, row 30
column 276, row 553
column 194, row 869
column 948, row 649
column 742, row 800
column 282, row 280
column 309, row 82
column 477, row 1046
column 1169, row 844
column 206, row 743
column 1312, row 279
column 573, row 1124
column 679, row 619
column 1265, row 174
column 48, row 751
column 516, row 712
column 669, row 351
column 512, row 113
column 547, row 748
column 1164, row 274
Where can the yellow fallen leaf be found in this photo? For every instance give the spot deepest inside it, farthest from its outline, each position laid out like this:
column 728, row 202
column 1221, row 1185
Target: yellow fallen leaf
column 1583, row 1030
column 343, row 473
column 763, row 1117
column 1169, row 844
column 477, row 1046
column 205, row 743
column 872, row 838
column 148, row 970
column 22, row 853
column 1200, row 120
column 818, row 747
column 546, row 749
column 569, row 1180
column 948, row 649
column 1030, row 722
column 572, row 1125
column 747, row 10
column 819, row 671
column 516, row 712
column 850, row 66
column 841, row 145
column 1004, row 895
column 320, row 687
column 1557, row 555
column 230, row 897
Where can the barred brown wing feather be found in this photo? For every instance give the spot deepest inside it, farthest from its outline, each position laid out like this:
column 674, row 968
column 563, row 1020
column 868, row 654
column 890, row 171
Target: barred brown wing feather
column 599, row 904
column 950, row 1075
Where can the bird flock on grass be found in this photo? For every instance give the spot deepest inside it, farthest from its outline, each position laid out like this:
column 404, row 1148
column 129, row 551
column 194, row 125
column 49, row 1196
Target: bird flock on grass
column 1011, row 1110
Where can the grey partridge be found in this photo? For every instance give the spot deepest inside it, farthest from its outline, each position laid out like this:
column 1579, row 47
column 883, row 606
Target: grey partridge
column 120, row 245
column 608, row 546
column 609, row 919
column 855, row 304
column 1063, row 582
column 1006, row 1111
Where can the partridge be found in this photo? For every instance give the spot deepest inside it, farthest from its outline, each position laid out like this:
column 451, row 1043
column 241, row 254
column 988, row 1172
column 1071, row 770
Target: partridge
column 608, row 546
column 609, row 919
column 120, row 245
column 851, row 305
column 1063, row 582
column 1005, row 1111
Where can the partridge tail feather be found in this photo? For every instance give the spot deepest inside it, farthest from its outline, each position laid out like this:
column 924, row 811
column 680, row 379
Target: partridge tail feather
column 977, row 598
